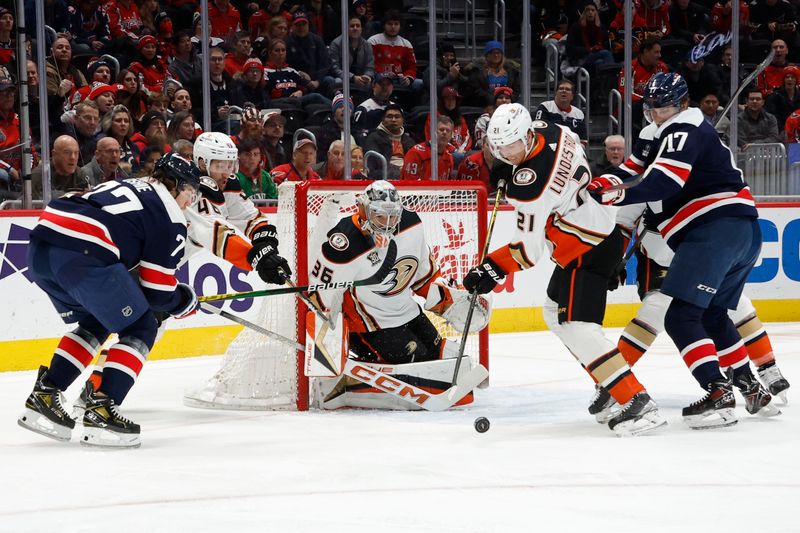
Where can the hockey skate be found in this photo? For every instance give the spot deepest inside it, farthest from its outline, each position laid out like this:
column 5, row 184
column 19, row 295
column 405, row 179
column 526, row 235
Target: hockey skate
column 104, row 426
column 602, row 406
column 638, row 416
column 773, row 380
column 44, row 410
column 756, row 399
column 714, row 410
column 79, row 405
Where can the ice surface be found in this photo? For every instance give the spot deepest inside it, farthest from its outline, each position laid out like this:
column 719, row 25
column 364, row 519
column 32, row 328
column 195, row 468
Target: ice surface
column 544, row 465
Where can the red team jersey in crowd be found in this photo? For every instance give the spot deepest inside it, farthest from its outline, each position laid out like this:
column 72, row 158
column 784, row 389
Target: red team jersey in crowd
column 792, row 127
column 258, row 22
column 287, row 172
column 771, row 79
column 640, row 76
column 124, row 20
column 474, row 168
column 394, row 56
column 417, row 164
column 222, row 25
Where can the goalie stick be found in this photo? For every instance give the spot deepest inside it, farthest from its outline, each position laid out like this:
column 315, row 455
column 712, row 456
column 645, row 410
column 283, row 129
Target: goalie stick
column 374, row 279
column 474, row 299
column 734, row 98
column 372, row 376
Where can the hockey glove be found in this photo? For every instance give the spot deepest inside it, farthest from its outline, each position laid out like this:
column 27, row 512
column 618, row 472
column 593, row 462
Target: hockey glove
column 598, row 189
column 266, row 234
column 483, row 278
column 619, row 276
column 271, row 267
column 188, row 301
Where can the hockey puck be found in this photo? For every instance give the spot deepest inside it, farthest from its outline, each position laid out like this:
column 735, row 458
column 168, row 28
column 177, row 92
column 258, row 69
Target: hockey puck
column 481, row 424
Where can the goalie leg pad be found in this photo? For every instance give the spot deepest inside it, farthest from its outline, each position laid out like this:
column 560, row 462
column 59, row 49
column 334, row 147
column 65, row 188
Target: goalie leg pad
column 345, row 391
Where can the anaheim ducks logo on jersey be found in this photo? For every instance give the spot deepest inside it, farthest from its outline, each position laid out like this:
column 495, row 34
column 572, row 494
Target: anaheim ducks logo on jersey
column 524, row 176
column 400, row 276
column 339, row 241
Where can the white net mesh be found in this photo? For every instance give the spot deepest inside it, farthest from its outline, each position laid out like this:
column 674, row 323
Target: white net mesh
column 260, row 373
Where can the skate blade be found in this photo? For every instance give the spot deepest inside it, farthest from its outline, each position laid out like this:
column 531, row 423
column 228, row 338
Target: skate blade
column 784, row 398
column 632, row 428
column 38, row 423
column 103, row 438
column 769, row 410
column 718, row 419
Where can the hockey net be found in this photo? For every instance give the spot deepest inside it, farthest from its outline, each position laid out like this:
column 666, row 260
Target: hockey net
column 260, row 373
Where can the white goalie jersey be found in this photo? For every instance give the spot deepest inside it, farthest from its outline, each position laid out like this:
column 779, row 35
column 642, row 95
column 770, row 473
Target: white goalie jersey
column 223, row 222
column 349, row 254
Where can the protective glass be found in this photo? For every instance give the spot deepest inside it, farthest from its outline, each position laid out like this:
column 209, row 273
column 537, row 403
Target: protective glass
column 658, row 114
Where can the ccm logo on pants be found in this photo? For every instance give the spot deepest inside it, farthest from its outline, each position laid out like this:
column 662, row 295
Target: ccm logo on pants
column 706, row 288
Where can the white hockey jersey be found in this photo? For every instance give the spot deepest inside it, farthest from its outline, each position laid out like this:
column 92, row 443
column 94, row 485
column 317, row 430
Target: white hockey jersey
column 555, row 214
column 223, row 222
column 349, row 254
column 632, row 217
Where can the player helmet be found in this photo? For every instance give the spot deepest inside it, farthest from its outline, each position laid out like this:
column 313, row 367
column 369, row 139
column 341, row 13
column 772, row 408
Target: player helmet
column 665, row 89
column 184, row 172
column 380, row 209
column 507, row 133
column 214, row 146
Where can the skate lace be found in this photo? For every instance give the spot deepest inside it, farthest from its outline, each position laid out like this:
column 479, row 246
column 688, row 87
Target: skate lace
column 118, row 416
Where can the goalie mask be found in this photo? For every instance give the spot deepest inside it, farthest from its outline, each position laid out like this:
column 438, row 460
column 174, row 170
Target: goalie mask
column 379, row 209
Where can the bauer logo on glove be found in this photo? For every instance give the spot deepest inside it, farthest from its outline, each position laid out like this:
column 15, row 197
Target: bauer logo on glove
column 484, row 277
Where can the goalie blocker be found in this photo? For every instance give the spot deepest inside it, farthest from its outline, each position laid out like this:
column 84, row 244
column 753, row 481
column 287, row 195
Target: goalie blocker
column 384, row 324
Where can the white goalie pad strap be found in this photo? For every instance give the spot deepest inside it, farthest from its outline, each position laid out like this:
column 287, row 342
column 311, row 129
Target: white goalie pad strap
column 326, row 347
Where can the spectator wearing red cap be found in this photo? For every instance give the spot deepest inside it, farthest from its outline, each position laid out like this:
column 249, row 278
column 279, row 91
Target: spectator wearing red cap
column 148, row 65
column 258, row 22
column 63, row 78
column 7, row 42
column 88, row 26
column 224, row 19
column 250, row 85
column 304, row 156
column 307, row 53
column 461, row 140
column 772, row 76
column 234, row 61
column 417, row 162
column 785, row 98
column 502, row 95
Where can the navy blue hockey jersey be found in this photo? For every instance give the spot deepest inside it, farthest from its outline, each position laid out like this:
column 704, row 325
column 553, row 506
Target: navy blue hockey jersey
column 133, row 222
column 690, row 177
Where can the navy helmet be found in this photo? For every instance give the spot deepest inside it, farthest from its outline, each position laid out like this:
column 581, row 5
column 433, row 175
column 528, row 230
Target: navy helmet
column 665, row 89
column 184, row 172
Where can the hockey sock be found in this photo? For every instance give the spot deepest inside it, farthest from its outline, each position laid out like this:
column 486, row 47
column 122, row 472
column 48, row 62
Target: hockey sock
column 635, row 340
column 613, row 373
column 684, row 325
column 72, row 355
column 96, row 376
column 730, row 348
column 123, row 364
column 756, row 340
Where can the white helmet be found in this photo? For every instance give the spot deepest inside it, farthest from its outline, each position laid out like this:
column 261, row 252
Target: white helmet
column 214, row 146
column 380, row 210
column 510, row 123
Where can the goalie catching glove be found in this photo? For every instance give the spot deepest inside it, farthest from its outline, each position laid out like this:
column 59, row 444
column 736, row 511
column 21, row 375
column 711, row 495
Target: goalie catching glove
column 484, row 277
column 264, row 258
column 452, row 304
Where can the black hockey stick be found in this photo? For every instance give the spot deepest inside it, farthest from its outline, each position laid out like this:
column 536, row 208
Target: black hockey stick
column 374, row 279
column 474, row 298
column 734, row 98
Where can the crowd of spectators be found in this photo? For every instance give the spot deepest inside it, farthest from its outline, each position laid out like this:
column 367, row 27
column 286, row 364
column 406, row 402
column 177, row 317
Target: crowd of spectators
column 124, row 79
